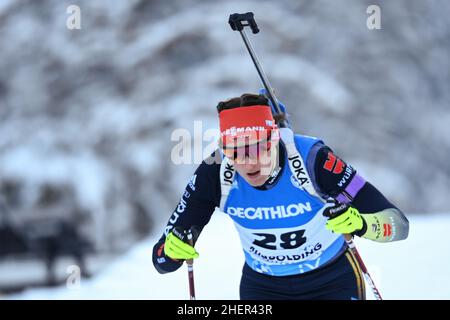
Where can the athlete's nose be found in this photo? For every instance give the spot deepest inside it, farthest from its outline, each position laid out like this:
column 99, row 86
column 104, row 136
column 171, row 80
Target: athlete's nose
column 251, row 166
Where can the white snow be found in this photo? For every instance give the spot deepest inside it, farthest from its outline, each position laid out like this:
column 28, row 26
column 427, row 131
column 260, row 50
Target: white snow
column 416, row 268
column 39, row 165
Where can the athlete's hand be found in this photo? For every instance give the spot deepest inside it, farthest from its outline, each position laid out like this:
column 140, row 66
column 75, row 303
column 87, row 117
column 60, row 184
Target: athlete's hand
column 177, row 246
column 343, row 219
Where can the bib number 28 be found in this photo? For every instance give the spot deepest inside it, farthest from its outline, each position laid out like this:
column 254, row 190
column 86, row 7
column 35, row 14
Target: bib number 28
column 288, row 240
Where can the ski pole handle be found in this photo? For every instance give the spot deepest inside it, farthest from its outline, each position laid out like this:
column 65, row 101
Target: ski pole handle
column 238, row 21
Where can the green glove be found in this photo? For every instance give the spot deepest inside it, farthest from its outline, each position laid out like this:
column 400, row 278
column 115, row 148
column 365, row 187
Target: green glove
column 343, row 219
column 176, row 246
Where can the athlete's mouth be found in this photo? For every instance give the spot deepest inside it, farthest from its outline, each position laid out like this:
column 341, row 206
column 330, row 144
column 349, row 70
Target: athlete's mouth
column 253, row 174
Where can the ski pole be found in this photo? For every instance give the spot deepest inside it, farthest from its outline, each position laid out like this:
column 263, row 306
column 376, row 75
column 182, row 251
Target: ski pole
column 190, row 267
column 351, row 245
column 237, row 22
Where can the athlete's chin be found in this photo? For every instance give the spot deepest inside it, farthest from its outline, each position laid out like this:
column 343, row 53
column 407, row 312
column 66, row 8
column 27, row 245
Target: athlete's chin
column 256, row 181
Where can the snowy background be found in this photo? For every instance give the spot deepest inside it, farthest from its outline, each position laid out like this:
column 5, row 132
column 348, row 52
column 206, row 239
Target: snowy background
column 86, row 119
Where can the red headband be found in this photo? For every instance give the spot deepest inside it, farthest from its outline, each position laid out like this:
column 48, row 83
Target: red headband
column 245, row 125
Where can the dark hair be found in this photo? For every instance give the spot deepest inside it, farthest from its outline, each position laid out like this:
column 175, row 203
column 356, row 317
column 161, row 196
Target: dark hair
column 247, row 100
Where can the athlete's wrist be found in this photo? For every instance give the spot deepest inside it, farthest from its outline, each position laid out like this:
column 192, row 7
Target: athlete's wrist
column 363, row 230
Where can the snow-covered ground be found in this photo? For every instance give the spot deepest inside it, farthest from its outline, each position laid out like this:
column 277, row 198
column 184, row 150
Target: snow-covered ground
column 417, row 268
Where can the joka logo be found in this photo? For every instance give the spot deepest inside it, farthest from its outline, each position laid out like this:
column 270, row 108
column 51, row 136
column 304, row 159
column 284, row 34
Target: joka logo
column 332, row 165
column 297, row 166
column 228, row 174
column 387, row 230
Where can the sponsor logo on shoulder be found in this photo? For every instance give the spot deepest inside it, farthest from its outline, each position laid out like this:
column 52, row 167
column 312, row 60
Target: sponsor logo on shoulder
column 333, row 164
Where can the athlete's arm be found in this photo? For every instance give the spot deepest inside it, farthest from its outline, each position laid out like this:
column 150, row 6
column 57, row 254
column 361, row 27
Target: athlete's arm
column 382, row 221
column 198, row 202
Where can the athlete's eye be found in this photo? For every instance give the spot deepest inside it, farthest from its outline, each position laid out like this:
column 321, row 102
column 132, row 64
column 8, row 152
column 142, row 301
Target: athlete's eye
column 252, row 151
